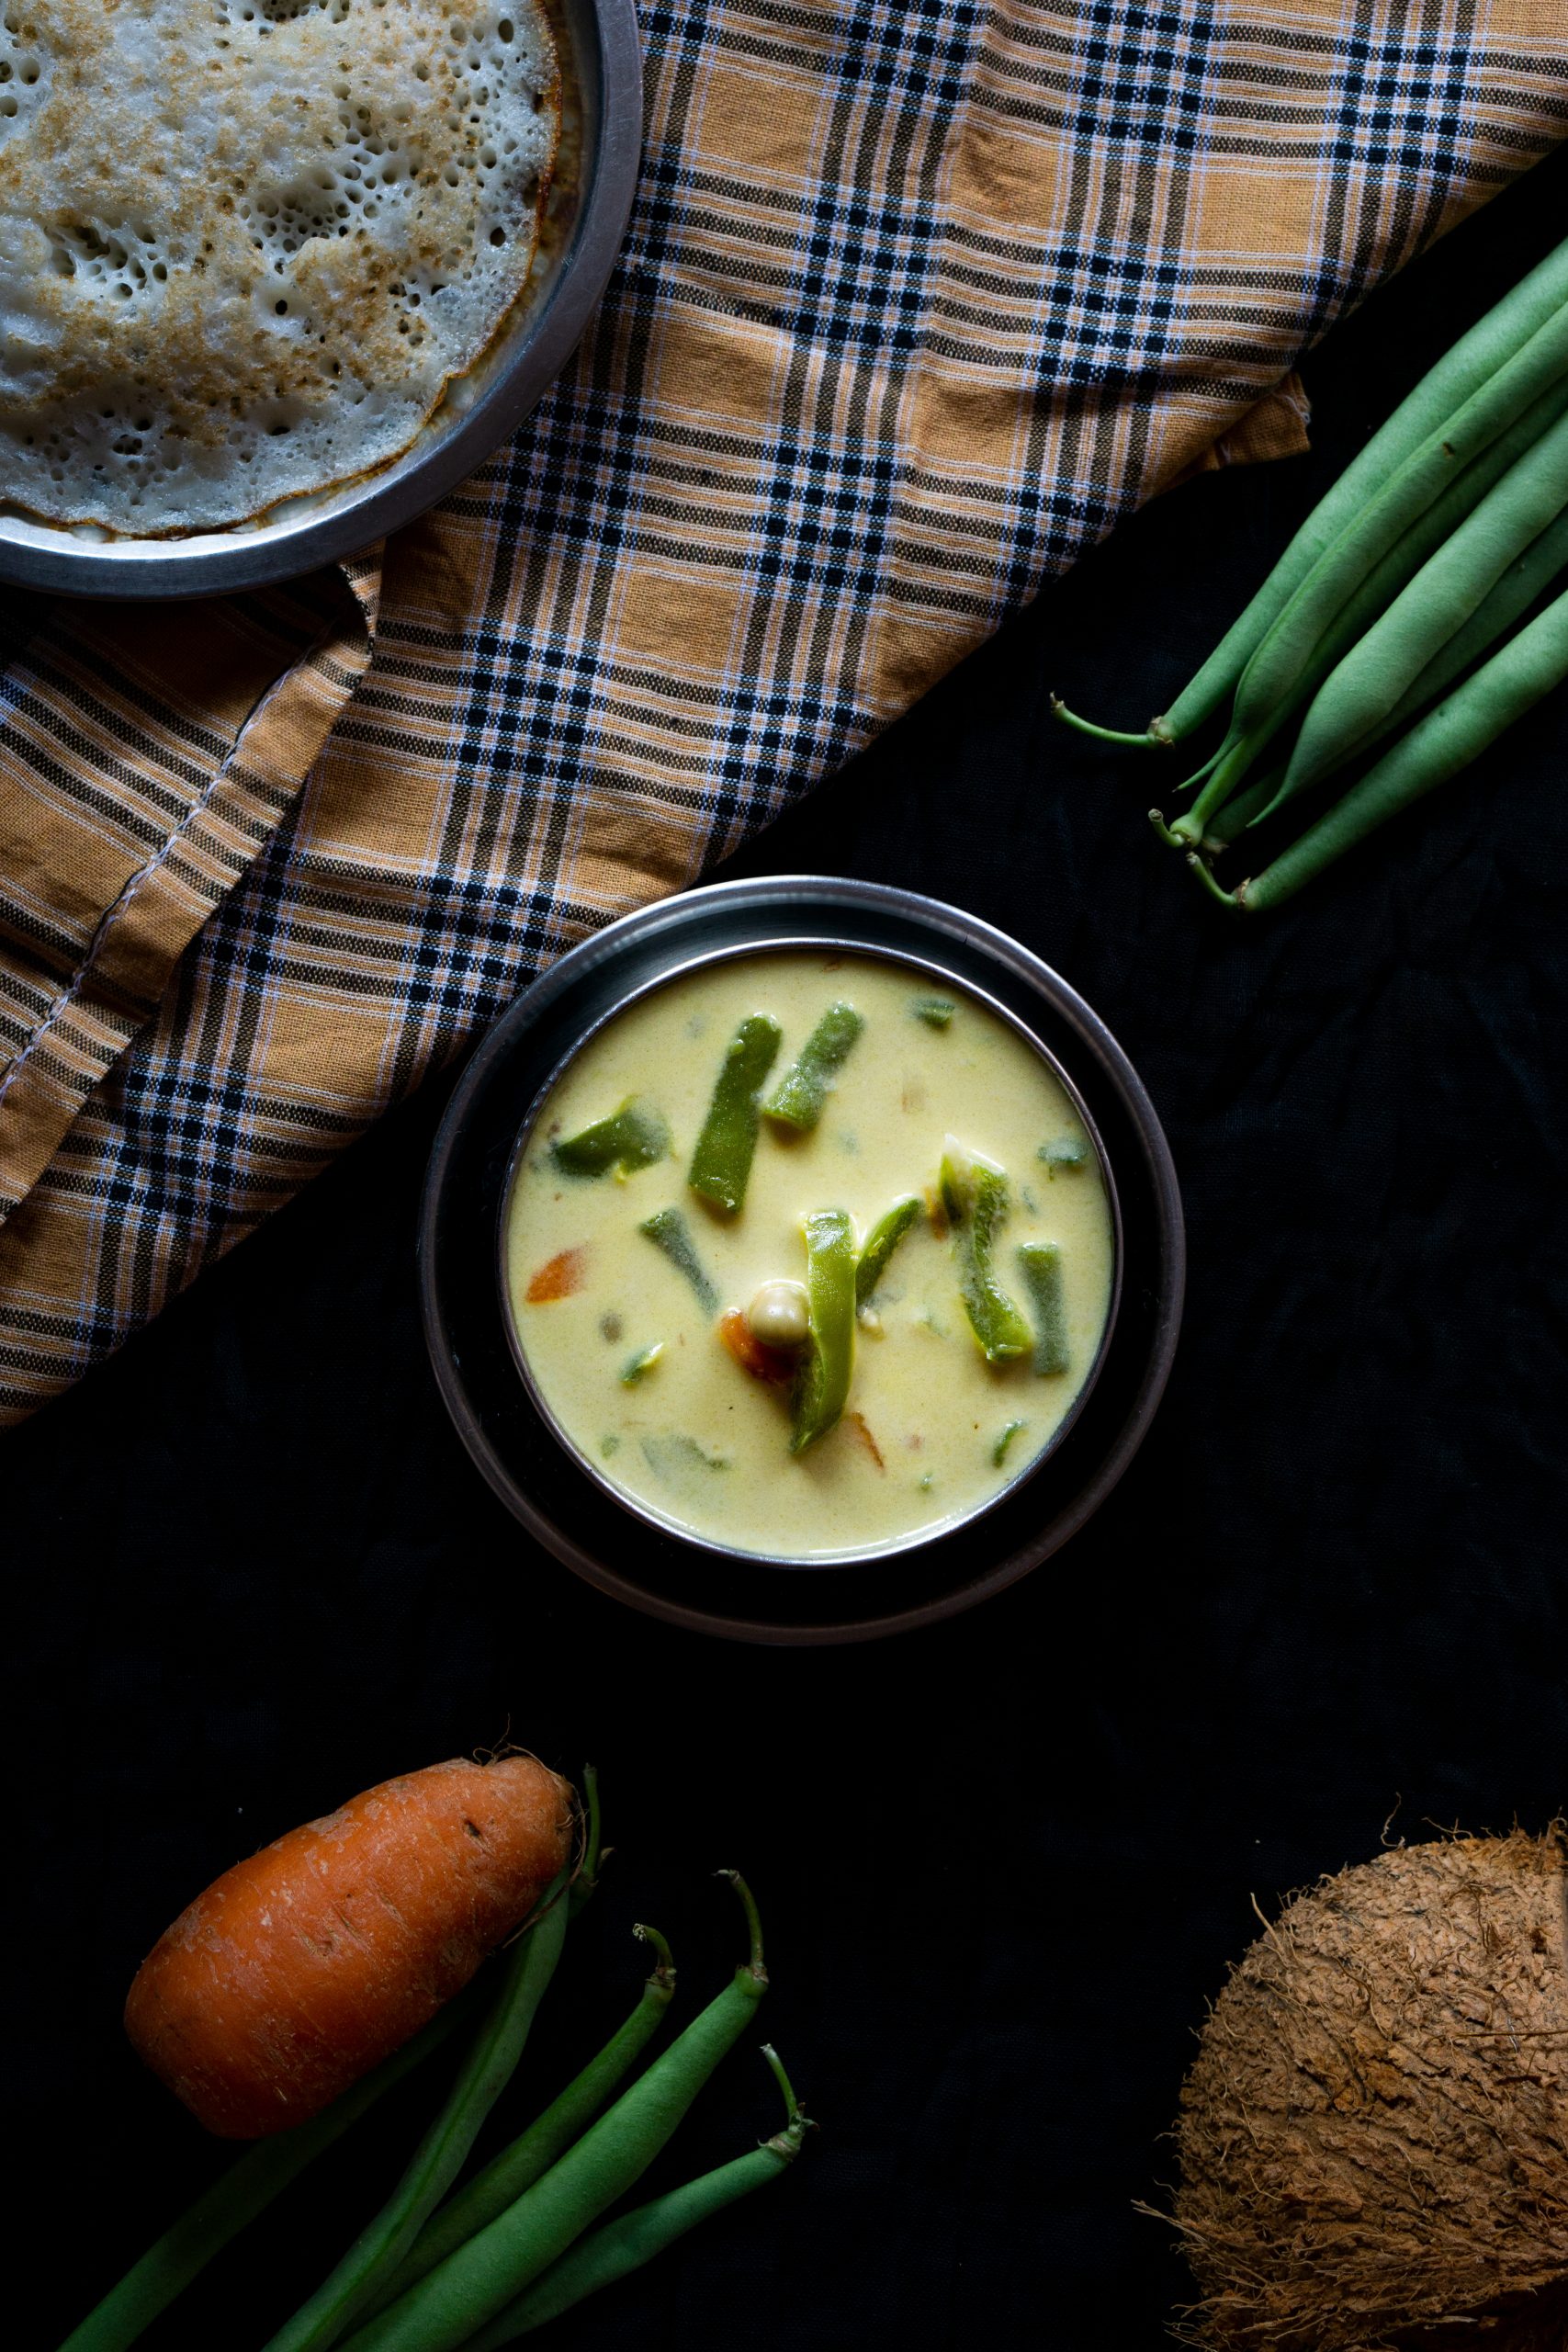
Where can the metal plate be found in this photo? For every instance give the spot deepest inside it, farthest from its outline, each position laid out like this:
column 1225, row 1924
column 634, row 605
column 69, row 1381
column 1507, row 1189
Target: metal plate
column 585, row 220
column 466, row 1324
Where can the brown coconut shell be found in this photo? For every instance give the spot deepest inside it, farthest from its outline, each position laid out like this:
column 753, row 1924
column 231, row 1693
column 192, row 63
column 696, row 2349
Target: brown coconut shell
column 1374, row 2136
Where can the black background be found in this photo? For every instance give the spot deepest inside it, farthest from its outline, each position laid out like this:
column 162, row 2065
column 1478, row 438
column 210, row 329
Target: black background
column 1003, row 1864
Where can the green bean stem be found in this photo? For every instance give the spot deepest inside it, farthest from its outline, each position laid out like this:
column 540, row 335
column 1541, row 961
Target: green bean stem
column 617, row 2247
column 1438, row 747
column 530, row 2155
column 974, row 1196
column 798, row 1100
column 1365, row 605
column 881, row 1242
column 464, row 2293
column 721, row 1163
column 1378, row 671
column 439, row 2157
column 1147, row 741
column 822, row 1385
column 1461, row 371
column 1269, row 687
column 667, row 1230
column 239, row 2196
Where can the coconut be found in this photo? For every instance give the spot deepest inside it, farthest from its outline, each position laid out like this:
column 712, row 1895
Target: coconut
column 1374, row 2135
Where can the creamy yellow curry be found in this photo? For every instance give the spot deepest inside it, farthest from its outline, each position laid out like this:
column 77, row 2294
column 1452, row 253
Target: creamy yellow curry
column 808, row 1256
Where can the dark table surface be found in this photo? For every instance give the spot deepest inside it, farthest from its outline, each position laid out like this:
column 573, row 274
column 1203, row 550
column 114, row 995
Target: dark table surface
column 1004, row 1864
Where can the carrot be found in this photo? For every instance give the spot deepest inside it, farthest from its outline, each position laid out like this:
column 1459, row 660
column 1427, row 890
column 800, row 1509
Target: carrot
column 559, row 1277
column 304, row 1966
column 776, row 1364
column 861, row 1428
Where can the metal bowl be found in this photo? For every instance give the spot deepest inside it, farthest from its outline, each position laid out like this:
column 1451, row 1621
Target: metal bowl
column 585, row 220
column 734, row 1595
column 920, row 968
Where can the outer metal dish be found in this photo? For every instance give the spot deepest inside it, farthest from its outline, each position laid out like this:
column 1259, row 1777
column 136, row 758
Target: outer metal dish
column 650, row 1568
column 920, row 967
column 590, row 197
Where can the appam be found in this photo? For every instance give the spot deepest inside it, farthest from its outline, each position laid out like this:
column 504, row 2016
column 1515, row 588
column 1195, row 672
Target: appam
column 246, row 245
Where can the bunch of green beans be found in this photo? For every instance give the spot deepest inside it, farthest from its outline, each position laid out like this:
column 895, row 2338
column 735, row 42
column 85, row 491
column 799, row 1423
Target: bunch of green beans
column 516, row 2244
column 1401, row 594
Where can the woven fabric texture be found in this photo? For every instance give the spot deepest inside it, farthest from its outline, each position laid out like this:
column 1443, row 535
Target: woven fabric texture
column 919, row 296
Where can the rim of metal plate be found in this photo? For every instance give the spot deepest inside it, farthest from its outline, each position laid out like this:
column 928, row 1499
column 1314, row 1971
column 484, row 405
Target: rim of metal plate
column 602, row 76
column 871, row 913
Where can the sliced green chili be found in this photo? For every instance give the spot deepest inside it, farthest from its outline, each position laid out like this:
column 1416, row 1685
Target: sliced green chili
column 616, row 2247
column 999, row 1451
column 881, row 1242
column 1063, row 1152
column 440, row 2153
column 797, row 1100
column 637, row 1367
column 1040, row 1263
column 936, row 1011
column 530, row 2155
column 823, row 1382
column 634, row 1136
column 467, row 2290
column 722, row 1161
column 974, row 1196
column 668, row 1231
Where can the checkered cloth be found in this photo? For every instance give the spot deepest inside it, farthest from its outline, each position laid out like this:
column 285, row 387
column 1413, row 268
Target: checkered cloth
column 919, row 296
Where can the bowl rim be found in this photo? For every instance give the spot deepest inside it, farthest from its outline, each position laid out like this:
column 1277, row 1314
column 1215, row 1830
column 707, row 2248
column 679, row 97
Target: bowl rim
column 871, row 899
column 888, row 1553
column 603, row 39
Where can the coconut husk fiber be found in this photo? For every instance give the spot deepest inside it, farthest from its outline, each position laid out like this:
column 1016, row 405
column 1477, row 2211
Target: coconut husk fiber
column 1374, row 2135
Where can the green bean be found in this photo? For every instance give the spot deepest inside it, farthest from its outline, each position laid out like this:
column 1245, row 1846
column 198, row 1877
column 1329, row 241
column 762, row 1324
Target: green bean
column 1243, row 808
column 936, row 1011
column 881, row 1242
column 722, row 1161
column 668, row 1231
column 1367, row 602
column 823, row 1381
column 974, row 1196
column 1040, row 1263
column 240, row 2195
column 1461, row 371
column 618, row 2247
column 1493, row 618
column 798, row 1099
column 1444, row 594
column 440, row 2153
column 637, row 1367
column 633, row 1137
column 1266, row 693
column 1003, row 1444
column 1069, row 1152
column 1438, row 747
column 530, row 2155
column 464, row 2293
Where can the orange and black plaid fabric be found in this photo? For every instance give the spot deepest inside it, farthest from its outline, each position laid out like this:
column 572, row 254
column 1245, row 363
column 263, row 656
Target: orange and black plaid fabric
column 919, row 296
